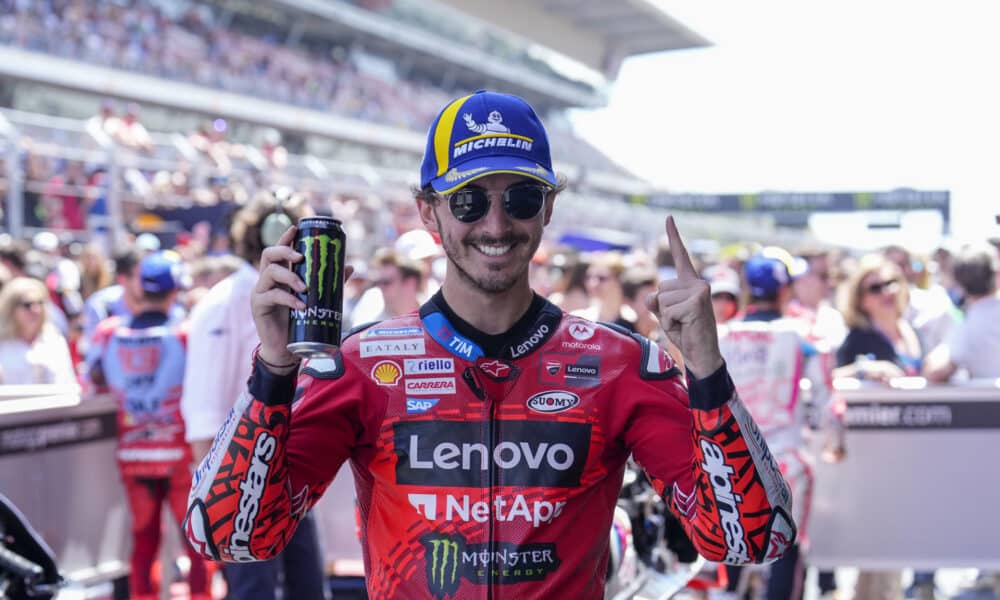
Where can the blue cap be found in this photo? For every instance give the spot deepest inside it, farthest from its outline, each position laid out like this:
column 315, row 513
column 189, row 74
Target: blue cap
column 768, row 271
column 160, row 272
column 483, row 134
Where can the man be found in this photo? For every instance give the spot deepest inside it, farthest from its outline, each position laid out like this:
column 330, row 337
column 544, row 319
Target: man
column 488, row 434
column 140, row 360
column 974, row 344
column 221, row 340
column 811, row 303
column 767, row 354
column 724, row 284
column 400, row 281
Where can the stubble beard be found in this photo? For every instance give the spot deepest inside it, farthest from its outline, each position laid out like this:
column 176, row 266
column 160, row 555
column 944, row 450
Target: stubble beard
column 492, row 282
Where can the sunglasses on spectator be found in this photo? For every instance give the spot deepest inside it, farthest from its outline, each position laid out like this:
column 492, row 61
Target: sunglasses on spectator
column 385, row 282
column 880, row 286
column 30, row 304
column 600, row 277
column 522, row 202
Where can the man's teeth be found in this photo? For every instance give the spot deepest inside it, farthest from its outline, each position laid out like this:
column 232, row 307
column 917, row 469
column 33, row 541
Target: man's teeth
column 493, row 250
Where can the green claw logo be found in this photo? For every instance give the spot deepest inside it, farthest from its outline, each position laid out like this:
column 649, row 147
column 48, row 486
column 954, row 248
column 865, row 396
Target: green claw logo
column 325, row 242
column 442, row 565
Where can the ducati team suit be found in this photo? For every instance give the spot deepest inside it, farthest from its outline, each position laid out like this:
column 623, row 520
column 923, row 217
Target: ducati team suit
column 488, row 466
column 142, row 362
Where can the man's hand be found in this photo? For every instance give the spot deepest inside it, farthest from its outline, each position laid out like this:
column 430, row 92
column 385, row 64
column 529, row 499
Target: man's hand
column 684, row 306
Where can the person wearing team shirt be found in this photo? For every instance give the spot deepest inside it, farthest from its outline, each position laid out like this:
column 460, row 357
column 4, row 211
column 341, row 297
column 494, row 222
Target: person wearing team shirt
column 488, row 433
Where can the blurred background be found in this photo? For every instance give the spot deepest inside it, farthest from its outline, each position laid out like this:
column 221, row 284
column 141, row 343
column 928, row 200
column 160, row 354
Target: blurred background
column 836, row 133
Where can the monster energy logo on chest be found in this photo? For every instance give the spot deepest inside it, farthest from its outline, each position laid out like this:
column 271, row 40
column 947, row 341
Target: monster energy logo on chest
column 325, row 242
column 449, row 559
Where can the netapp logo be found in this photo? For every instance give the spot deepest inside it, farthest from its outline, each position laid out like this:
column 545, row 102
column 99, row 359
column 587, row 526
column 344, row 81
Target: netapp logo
column 553, row 402
column 455, row 454
column 252, row 489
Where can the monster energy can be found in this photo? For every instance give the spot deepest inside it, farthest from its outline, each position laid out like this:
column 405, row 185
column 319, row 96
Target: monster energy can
column 315, row 330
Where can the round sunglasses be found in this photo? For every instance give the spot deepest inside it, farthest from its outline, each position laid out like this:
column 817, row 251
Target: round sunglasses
column 522, row 202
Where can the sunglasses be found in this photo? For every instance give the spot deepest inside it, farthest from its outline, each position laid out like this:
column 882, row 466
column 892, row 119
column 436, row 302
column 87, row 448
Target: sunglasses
column 522, row 202
column 30, row 304
column 880, row 286
column 385, row 282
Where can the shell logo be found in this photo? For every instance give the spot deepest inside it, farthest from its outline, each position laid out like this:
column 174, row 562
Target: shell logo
column 386, row 372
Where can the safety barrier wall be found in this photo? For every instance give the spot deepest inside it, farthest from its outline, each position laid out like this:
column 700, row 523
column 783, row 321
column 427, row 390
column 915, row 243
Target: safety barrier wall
column 919, row 486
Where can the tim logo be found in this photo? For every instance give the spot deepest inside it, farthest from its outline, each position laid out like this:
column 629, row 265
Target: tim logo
column 317, row 262
column 581, row 331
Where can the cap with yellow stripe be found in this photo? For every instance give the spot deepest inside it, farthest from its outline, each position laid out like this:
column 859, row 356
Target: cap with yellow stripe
column 483, row 134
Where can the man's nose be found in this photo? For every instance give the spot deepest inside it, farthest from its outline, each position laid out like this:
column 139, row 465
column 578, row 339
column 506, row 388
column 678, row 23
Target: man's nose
column 496, row 221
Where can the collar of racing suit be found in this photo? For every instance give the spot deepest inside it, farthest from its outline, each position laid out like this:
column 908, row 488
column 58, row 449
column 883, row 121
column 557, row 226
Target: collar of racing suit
column 538, row 323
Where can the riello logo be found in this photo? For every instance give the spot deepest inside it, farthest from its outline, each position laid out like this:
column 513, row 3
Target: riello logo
column 325, row 242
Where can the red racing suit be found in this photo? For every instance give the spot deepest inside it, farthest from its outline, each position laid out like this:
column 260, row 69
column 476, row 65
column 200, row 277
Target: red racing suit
column 492, row 472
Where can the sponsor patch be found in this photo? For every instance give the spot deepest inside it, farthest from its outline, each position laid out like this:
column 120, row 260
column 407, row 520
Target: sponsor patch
column 581, row 346
column 402, row 347
column 503, row 508
column 656, row 363
column 430, row 386
column 420, row 405
column 387, row 332
column 498, row 370
column 720, row 474
column 530, row 453
column 443, row 333
column 581, row 331
column 251, row 493
column 450, row 559
column 573, row 370
column 554, row 401
column 386, row 372
column 428, row 366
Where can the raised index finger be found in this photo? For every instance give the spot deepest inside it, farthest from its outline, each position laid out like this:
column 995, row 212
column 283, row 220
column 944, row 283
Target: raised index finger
column 682, row 262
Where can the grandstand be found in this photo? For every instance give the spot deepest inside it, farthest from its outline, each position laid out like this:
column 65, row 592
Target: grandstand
column 329, row 97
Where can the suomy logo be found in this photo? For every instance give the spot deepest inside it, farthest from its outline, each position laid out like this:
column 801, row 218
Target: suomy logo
column 325, row 242
column 553, row 402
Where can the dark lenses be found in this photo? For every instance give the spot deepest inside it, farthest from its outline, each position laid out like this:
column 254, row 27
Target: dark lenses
column 519, row 202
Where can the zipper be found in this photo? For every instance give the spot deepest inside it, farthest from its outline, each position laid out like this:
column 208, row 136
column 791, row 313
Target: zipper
column 491, row 432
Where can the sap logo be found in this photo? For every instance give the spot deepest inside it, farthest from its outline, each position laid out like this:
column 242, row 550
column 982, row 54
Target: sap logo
column 420, row 405
column 430, row 386
column 553, row 402
column 376, row 332
column 427, row 366
column 409, row 346
column 386, row 372
column 581, row 331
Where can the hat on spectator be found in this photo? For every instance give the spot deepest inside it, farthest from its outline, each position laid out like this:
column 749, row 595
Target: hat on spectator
column 768, row 271
column 417, row 244
column 45, row 241
column 722, row 280
column 483, row 134
column 161, row 272
column 147, row 242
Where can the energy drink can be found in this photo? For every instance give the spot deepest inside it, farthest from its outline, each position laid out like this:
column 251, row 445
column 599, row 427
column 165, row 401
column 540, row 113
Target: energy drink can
column 315, row 330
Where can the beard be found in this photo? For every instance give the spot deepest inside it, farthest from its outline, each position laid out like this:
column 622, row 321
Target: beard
column 497, row 278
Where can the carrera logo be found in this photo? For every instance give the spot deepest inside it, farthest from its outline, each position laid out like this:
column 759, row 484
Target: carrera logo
column 430, row 386
column 553, row 402
column 428, row 366
column 455, row 454
column 386, row 372
column 581, row 331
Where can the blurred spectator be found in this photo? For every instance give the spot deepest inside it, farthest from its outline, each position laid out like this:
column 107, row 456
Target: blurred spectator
column 95, row 273
column 64, row 198
column 400, row 280
column 571, row 291
column 880, row 343
column 607, row 297
column 724, row 284
column 638, row 282
column 812, row 302
column 132, row 134
column 929, row 309
column 974, row 345
column 31, row 349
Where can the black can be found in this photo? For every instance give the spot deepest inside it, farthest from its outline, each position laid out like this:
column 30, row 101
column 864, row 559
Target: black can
column 315, row 331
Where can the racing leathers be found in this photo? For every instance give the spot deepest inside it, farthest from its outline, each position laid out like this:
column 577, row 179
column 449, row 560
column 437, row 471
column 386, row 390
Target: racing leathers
column 489, row 466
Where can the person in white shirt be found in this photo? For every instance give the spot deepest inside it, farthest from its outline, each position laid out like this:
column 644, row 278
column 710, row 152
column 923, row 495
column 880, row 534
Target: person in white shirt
column 974, row 345
column 221, row 337
column 31, row 348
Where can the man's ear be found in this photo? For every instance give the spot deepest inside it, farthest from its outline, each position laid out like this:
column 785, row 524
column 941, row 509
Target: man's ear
column 426, row 210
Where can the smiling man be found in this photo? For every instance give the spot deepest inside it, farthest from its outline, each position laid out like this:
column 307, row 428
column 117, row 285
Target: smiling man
column 488, row 431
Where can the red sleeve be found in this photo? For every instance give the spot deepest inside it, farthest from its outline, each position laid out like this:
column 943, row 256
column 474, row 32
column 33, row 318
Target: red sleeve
column 706, row 457
column 261, row 476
